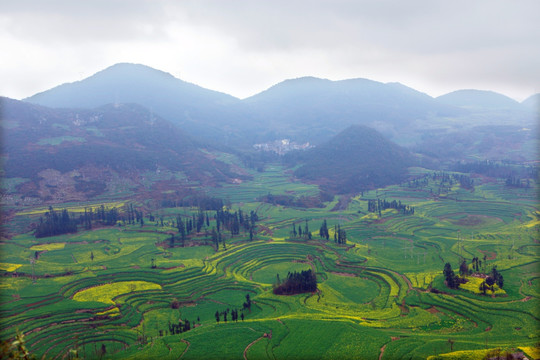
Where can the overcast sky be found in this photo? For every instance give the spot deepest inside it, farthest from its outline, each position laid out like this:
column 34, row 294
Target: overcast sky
column 244, row 47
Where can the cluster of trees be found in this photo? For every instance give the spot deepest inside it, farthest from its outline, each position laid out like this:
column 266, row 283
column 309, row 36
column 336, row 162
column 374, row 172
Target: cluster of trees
column 301, row 233
column 445, row 181
column 62, row 222
column 296, row 283
column 497, row 169
column 103, row 215
column 203, row 202
column 234, row 313
column 380, row 205
column 419, row 182
column 179, row 328
column 465, row 182
column 133, row 215
column 453, row 281
column 232, row 221
column 495, row 277
column 323, row 231
column 55, row 223
column 340, row 236
column 516, row 182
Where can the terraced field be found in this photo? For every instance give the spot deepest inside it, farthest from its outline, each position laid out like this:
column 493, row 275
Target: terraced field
column 114, row 292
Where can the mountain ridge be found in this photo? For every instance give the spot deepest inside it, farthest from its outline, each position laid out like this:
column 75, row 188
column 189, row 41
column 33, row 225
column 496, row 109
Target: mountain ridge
column 302, row 109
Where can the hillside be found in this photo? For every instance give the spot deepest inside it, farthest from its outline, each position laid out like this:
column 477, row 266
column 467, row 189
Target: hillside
column 178, row 101
column 311, row 109
column 357, row 159
column 478, row 99
column 532, row 102
column 86, row 149
column 306, row 109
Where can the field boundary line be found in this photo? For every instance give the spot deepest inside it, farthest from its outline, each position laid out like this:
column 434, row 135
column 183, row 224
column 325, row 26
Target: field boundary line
column 250, row 345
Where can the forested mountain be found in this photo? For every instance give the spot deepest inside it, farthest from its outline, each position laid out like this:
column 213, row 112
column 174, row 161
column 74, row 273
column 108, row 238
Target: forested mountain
column 86, row 148
column 357, row 159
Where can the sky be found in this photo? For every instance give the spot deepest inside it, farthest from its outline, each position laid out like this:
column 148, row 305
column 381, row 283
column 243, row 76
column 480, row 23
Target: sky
column 242, row 47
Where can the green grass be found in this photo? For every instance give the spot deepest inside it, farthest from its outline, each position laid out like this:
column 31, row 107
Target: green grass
column 364, row 300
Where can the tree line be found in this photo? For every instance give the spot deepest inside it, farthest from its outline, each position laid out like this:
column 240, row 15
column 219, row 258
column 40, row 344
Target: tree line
column 453, row 281
column 219, row 315
column 379, row 205
column 296, row 283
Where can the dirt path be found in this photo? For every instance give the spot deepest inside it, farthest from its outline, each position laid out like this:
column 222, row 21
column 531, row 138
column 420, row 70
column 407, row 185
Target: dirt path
column 382, row 352
column 187, row 347
column 250, row 345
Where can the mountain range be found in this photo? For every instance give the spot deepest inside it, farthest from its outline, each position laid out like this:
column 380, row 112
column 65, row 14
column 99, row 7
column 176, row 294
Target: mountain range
column 131, row 128
column 303, row 109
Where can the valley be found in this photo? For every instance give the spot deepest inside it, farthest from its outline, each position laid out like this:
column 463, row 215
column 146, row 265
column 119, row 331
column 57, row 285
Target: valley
column 147, row 217
column 115, row 291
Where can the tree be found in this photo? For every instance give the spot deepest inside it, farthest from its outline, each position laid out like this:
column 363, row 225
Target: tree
column 497, row 277
column 451, row 279
column 15, row 349
column 463, row 268
column 323, row 231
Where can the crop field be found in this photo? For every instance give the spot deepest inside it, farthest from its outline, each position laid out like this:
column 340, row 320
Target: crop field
column 118, row 292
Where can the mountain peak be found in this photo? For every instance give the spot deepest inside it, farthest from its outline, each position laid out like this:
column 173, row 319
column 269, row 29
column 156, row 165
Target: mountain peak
column 358, row 158
column 472, row 98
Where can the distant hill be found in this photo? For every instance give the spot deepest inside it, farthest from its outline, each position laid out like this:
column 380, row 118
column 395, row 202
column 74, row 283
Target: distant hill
column 306, row 109
column 313, row 109
column 478, row 99
column 356, row 159
column 87, row 148
column 180, row 102
column 532, row 102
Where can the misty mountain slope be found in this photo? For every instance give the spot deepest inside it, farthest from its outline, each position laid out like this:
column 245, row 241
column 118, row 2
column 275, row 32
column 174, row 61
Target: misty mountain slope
column 478, row 99
column 533, row 103
column 126, row 139
column 358, row 158
column 306, row 109
column 196, row 108
column 312, row 109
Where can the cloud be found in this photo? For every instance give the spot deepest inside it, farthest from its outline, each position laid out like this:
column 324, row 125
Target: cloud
column 242, row 47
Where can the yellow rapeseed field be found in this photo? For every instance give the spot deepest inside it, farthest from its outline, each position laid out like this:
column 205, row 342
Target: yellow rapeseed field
column 78, row 209
column 473, row 285
column 48, row 247
column 106, row 293
column 9, row 267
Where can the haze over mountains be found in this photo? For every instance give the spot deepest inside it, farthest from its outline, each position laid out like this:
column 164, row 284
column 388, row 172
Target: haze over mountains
column 303, row 109
column 129, row 121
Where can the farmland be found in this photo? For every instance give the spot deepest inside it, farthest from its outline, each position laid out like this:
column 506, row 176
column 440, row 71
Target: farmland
column 114, row 291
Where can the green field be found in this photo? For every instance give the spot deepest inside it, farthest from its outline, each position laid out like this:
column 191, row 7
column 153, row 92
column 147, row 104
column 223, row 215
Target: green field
column 380, row 296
